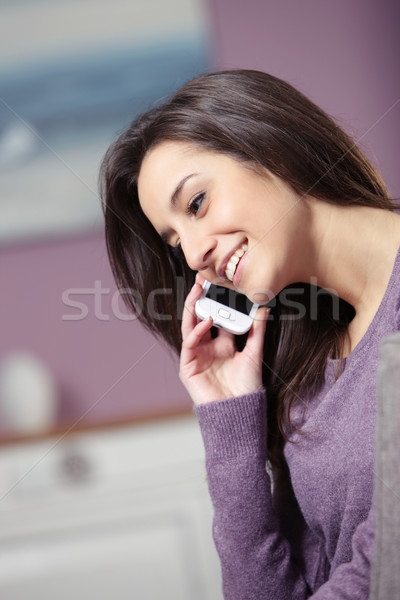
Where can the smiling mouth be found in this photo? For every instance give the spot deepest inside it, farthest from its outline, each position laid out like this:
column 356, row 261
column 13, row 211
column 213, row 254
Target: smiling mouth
column 234, row 261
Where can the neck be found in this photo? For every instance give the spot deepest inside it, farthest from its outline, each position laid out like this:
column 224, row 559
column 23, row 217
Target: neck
column 352, row 251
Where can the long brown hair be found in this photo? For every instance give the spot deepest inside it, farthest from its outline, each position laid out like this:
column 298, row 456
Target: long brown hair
column 258, row 119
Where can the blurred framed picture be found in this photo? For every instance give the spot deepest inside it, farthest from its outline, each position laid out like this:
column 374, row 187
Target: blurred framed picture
column 74, row 74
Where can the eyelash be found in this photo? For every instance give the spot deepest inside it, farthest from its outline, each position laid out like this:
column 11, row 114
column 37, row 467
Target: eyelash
column 197, row 199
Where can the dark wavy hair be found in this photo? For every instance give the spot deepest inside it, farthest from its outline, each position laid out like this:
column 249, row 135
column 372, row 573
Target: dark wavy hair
column 263, row 121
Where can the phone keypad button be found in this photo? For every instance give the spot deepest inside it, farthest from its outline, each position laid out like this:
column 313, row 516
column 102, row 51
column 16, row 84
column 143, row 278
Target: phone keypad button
column 225, row 314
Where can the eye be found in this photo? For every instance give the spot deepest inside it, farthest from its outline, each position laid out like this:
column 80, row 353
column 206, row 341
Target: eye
column 195, row 204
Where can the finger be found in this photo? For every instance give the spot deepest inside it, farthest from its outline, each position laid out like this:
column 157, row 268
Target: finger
column 255, row 339
column 189, row 318
column 224, row 333
column 224, row 336
column 190, row 344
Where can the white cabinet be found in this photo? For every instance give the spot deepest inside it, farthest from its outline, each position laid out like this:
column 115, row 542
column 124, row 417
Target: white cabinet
column 121, row 513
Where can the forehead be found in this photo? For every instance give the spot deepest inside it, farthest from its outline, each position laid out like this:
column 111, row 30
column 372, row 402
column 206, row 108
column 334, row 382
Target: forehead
column 164, row 164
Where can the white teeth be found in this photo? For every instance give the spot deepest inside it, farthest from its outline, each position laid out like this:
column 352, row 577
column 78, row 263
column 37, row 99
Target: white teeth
column 233, row 261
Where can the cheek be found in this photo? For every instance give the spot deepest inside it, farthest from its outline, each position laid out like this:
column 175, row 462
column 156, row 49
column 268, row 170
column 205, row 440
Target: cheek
column 263, row 277
column 229, row 215
column 255, row 217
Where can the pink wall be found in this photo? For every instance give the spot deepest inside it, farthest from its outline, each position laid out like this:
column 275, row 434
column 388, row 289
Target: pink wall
column 103, row 364
column 344, row 54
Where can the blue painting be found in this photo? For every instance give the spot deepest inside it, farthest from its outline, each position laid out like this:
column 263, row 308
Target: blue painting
column 64, row 97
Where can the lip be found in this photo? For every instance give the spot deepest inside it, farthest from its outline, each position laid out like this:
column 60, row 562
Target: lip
column 224, row 263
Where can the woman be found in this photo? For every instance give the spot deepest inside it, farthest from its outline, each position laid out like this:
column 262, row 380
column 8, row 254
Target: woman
column 241, row 160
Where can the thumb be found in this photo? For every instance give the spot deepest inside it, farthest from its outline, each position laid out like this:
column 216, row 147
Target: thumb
column 255, row 340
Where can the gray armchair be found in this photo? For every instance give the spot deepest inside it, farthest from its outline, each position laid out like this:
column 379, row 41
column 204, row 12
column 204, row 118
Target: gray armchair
column 385, row 574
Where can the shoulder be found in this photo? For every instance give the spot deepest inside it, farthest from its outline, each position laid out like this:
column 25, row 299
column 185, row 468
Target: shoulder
column 394, row 300
column 389, row 310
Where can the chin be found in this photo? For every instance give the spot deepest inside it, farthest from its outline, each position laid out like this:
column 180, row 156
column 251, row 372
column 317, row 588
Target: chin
column 260, row 296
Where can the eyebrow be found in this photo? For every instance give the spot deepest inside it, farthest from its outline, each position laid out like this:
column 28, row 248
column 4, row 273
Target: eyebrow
column 174, row 201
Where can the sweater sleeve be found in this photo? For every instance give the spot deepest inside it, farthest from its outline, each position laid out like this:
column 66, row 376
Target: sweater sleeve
column 263, row 557
column 255, row 557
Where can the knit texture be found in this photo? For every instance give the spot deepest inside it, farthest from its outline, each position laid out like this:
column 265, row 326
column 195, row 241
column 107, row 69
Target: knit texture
column 312, row 536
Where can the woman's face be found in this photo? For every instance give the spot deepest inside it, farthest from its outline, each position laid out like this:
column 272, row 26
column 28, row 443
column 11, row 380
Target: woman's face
column 240, row 229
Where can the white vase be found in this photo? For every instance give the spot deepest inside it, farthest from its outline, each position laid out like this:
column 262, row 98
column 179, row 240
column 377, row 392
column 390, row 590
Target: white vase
column 28, row 394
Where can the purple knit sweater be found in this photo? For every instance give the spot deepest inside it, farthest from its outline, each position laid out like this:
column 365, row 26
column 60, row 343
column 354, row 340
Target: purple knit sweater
column 313, row 536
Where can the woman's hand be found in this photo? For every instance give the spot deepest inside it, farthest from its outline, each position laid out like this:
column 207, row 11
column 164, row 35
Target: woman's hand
column 213, row 369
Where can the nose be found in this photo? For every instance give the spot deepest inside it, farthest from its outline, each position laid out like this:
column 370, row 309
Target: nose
column 199, row 251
